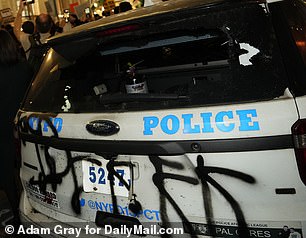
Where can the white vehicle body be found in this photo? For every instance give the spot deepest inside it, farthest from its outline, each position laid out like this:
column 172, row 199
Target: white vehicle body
column 212, row 169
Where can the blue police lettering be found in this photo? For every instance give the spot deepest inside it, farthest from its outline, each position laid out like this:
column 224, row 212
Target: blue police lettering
column 99, row 206
column 58, row 123
column 107, row 207
column 207, row 122
column 170, row 124
column 150, row 122
column 149, row 217
column 188, row 129
column 156, row 214
column 224, row 121
column 246, row 121
column 35, row 124
column 221, row 125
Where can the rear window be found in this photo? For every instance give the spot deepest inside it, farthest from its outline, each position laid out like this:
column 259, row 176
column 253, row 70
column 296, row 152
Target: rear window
column 232, row 60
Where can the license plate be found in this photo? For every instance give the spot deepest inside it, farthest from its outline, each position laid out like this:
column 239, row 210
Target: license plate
column 95, row 179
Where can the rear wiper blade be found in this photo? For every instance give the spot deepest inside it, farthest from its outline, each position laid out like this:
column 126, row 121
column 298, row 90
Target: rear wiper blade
column 139, row 97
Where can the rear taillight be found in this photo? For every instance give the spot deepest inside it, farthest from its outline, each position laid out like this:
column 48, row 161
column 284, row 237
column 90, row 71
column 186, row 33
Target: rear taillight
column 299, row 138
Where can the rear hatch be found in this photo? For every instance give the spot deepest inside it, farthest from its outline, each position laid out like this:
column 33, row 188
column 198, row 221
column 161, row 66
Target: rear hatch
column 208, row 148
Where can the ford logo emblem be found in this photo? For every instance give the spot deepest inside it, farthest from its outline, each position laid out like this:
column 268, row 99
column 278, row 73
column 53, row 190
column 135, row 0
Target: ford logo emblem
column 102, row 128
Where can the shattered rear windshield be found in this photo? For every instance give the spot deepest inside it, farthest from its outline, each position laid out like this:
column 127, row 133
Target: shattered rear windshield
column 235, row 61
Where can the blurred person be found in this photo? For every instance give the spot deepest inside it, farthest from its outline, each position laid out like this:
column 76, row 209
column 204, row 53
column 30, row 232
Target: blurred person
column 43, row 29
column 87, row 18
column 10, row 29
column 97, row 17
column 285, row 232
column 46, row 27
column 44, row 24
column 116, row 10
column 294, row 233
column 138, row 3
column 15, row 78
column 58, row 27
column 74, row 20
column 28, row 27
column 106, row 13
column 22, row 36
column 125, row 6
column 34, row 44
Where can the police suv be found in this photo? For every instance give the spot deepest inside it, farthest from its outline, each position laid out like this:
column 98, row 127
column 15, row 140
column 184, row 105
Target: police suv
column 186, row 118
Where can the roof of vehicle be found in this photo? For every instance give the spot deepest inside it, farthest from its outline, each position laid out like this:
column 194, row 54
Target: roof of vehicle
column 132, row 15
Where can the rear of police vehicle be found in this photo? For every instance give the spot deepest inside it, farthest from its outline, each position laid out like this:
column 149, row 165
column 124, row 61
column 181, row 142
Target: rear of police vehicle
column 187, row 118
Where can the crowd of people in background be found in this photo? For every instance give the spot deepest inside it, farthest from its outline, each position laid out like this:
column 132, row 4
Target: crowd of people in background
column 45, row 26
column 16, row 74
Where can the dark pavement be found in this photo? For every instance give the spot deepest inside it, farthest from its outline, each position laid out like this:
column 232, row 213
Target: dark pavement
column 6, row 215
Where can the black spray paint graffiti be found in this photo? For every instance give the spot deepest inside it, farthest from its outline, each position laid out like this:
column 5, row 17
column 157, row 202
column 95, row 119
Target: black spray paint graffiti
column 112, row 173
column 203, row 174
column 158, row 180
column 203, row 177
column 55, row 178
